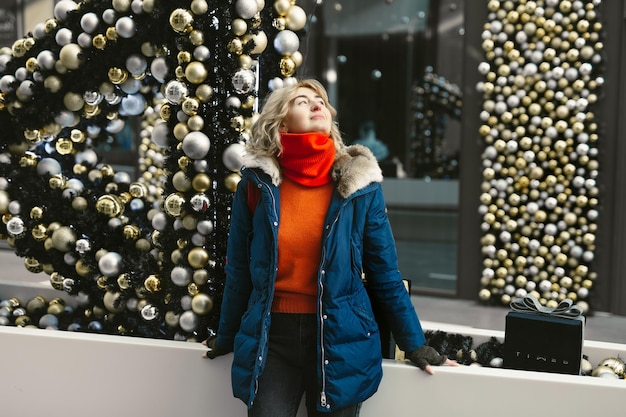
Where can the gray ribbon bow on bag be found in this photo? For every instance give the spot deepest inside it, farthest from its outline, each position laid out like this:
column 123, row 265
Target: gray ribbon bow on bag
column 530, row 304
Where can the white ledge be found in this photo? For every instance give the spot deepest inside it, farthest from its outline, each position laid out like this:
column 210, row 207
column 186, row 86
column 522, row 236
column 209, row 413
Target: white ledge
column 77, row 374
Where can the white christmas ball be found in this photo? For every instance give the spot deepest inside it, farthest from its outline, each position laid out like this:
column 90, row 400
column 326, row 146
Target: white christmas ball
column 160, row 133
column 63, row 36
column 246, row 9
column 70, row 56
column 275, row 83
column 84, row 40
column 136, row 64
column 201, row 53
column 46, row 59
column 88, row 157
column 196, row 145
column 110, row 264
column 180, row 276
column 132, row 105
column 115, row 126
column 233, row 156
column 159, row 69
column 62, row 8
column 108, row 16
column 6, row 83
column 204, row 227
column 125, row 27
column 159, row 221
column 89, row 22
column 188, row 321
column 286, row 42
column 48, row 166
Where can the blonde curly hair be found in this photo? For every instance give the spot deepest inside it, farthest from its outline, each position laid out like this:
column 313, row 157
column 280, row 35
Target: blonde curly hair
column 265, row 135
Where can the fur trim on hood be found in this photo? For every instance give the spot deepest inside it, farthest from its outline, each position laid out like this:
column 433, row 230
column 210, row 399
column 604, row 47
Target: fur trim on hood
column 355, row 167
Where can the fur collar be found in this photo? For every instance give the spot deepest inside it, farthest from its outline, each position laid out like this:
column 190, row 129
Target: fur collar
column 355, row 167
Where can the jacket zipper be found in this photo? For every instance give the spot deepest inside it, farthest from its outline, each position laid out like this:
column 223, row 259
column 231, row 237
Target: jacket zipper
column 323, row 400
column 261, row 184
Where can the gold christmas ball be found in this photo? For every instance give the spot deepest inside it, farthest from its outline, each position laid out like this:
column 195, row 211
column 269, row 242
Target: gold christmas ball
column 143, row 245
column 199, row 7
column 152, row 284
column 190, row 106
column 201, row 304
column 184, row 162
column 32, row 265
column 36, row 213
column 73, row 101
column 239, row 27
column 112, row 302
column 131, row 232
column 174, row 204
column 109, row 205
column 180, row 130
column 64, row 239
column 64, row 146
column 196, row 37
column 82, row 268
column 138, row 190
column 111, row 34
column 56, row 306
column 57, row 182
column 123, row 281
column 287, row 66
column 99, row 41
column 296, row 18
column 237, row 123
column 197, row 258
column 280, row 23
column 165, row 112
column 196, row 72
column 181, row 20
column 245, row 61
column 171, row 318
column 235, row 46
column 231, row 181
column 56, row 280
column 23, row 321
column 181, row 182
column 201, row 182
column 117, row 75
column 195, row 123
column 200, row 276
column 39, row 232
column 204, row 92
column 282, row 7
column 80, row 203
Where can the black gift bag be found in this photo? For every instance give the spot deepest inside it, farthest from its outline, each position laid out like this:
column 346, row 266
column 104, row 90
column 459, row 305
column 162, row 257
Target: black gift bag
column 541, row 339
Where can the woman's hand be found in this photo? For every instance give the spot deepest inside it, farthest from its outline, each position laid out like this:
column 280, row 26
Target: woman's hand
column 425, row 356
column 214, row 350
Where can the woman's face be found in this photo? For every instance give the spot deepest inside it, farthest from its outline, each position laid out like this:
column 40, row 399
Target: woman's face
column 307, row 113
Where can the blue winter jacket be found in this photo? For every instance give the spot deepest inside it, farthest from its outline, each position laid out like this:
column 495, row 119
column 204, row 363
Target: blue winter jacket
column 357, row 243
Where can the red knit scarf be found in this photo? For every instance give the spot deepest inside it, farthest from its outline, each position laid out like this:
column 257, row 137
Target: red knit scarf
column 307, row 158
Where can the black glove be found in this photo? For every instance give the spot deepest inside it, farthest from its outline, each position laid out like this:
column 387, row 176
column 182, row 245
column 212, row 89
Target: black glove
column 426, row 355
column 214, row 350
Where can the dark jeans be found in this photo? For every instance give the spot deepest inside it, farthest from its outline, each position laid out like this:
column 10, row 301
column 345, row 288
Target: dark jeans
column 290, row 370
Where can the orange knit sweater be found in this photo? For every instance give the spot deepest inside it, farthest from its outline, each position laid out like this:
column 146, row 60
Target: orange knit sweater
column 302, row 213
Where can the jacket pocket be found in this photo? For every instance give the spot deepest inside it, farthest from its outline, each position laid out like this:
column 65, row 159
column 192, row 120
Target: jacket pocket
column 366, row 317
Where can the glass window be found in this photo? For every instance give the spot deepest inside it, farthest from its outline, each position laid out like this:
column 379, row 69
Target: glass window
column 393, row 70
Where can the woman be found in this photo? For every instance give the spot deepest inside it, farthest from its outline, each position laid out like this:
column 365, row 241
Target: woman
column 308, row 223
